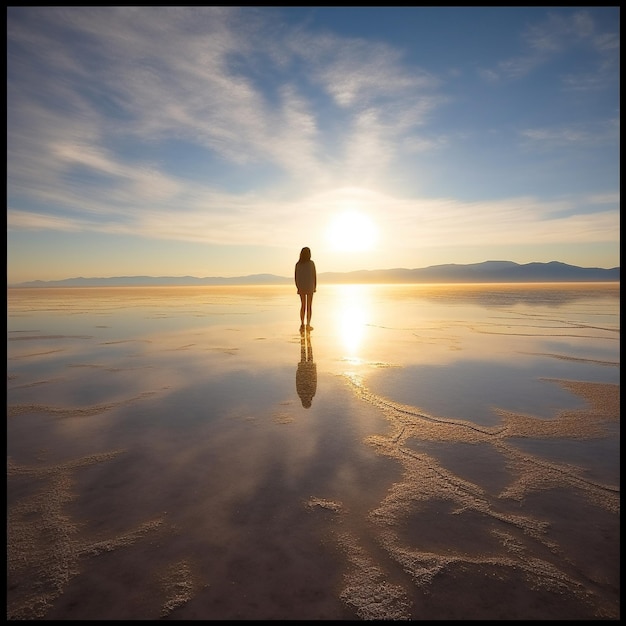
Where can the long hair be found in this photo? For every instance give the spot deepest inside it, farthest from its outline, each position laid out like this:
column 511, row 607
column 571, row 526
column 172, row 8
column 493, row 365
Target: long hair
column 305, row 255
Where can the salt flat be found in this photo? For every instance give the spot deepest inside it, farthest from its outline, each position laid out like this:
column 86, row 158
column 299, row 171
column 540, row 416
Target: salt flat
column 426, row 452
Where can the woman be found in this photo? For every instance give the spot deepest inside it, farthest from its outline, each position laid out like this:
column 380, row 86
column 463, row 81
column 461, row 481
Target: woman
column 306, row 283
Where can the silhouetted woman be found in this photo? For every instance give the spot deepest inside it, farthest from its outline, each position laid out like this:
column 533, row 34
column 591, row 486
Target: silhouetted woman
column 306, row 283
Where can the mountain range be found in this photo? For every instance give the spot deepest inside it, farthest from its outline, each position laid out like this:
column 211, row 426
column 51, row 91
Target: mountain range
column 485, row 272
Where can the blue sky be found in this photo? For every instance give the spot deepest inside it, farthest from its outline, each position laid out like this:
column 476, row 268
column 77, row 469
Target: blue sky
column 218, row 141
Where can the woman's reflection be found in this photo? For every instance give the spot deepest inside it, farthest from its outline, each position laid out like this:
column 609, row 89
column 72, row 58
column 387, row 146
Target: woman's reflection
column 306, row 374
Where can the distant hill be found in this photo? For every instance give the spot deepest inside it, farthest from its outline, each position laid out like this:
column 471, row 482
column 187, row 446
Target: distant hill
column 156, row 281
column 486, row 272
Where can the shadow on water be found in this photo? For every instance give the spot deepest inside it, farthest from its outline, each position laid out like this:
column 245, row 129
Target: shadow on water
column 306, row 374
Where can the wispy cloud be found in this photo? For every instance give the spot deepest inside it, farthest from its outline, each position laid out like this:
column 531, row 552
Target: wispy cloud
column 158, row 76
column 439, row 222
column 588, row 135
column 554, row 36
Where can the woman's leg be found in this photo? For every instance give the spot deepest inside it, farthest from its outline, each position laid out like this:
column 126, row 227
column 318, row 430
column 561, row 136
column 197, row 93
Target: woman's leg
column 309, row 308
column 303, row 307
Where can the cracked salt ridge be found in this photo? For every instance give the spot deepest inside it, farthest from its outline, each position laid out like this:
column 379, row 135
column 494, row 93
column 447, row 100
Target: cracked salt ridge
column 41, row 537
column 604, row 407
column 534, row 474
column 64, row 412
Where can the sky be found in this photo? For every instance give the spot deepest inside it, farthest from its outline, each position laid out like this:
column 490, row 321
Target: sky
column 219, row 141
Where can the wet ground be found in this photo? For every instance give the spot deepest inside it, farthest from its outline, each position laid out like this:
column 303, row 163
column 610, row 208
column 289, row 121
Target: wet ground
column 442, row 452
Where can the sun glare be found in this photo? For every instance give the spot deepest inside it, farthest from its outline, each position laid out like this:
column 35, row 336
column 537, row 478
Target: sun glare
column 352, row 231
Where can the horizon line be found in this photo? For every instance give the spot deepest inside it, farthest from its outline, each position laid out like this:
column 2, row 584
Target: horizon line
column 337, row 275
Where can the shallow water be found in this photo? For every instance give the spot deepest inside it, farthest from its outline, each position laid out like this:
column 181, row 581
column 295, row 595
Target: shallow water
column 426, row 452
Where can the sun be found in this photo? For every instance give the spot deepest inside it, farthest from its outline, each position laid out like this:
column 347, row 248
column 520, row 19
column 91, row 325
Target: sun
column 352, row 231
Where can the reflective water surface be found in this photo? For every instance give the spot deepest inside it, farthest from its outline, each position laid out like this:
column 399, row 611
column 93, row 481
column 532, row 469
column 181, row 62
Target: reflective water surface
column 426, row 452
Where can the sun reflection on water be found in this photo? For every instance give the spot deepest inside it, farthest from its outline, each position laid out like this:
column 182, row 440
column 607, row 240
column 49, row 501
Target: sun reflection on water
column 352, row 320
